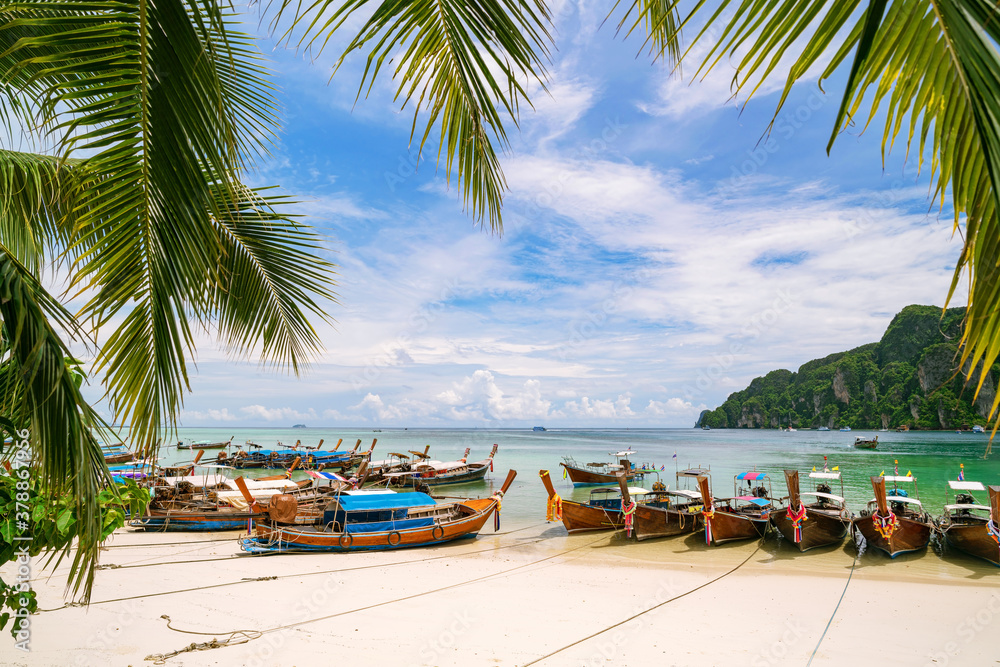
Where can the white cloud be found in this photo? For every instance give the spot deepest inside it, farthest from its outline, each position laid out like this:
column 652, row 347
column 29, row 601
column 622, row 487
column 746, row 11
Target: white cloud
column 275, row 414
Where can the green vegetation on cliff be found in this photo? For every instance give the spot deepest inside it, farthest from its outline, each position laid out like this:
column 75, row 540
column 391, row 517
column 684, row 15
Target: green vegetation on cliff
column 908, row 378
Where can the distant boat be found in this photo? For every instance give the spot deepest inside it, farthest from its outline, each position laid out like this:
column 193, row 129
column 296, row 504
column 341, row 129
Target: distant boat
column 706, row 427
column 299, row 426
column 845, row 429
column 866, row 443
column 204, row 444
column 823, row 428
column 538, row 428
column 978, row 429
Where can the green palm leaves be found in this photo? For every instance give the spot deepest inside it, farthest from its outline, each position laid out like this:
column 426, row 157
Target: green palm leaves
column 155, row 112
column 464, row 63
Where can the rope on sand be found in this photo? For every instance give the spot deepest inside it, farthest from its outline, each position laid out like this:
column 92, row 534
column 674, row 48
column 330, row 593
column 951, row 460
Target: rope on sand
column 160, row 658
column 635, row 616
column 289, row 576
column 857, row 554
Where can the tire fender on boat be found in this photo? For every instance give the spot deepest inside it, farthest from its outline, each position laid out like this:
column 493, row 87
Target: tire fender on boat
column 437, row 533
column 346, row 540
column 394, row 541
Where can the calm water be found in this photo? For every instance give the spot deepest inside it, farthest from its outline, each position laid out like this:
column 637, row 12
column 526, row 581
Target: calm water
column 933, row 458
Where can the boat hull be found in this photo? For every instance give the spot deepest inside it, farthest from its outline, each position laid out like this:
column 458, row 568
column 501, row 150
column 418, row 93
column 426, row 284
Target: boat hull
column 729, row 527
column 271, row 537
column 462, row 478
column 911, row 535
column 820, row 528
column 210, row 445
column 193, row 522
column 649, row 522
column 972, row 539
column 581, row 477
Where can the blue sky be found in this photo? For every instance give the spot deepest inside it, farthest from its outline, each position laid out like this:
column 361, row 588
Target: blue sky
column 655, row 256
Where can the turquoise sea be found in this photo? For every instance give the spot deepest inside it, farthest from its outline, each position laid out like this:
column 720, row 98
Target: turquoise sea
column 932, row 457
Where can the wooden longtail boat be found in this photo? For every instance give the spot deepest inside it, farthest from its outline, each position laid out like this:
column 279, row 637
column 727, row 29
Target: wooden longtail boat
column 741, row 517
column 455, row 472
column 866, row 443
column 603, row 512
column 898, row 528
column 117, row 453
column 604, row 473
column 665, row 513
column 205, row 444
column 969, row 526
column 813, row 518
column 367, row 520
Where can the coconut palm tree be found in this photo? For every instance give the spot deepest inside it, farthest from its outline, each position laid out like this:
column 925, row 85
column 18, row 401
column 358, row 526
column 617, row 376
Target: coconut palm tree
column 152, row 113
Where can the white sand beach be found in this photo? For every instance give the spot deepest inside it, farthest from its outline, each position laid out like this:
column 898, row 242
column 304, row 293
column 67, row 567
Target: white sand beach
column 511, row 599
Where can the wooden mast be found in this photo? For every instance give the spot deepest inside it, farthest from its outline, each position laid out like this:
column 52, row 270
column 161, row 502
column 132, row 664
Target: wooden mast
column 878, row 484
column 792, row 481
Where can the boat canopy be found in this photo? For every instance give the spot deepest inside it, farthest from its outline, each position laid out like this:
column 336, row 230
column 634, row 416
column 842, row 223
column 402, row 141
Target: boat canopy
column 895, row 478
column 256, row 485
column 966, row 486
column 632, row 490
column 761, row 502
column 383, row 501
column 752, row 475
column 694, row 472
column 325, row 474
column 966, row 506
column 899, row 499
column 686, row 492
column 825, row 475
column 820, row 494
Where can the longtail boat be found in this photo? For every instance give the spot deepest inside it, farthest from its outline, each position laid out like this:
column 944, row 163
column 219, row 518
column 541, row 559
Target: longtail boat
column 816, row 518
column 116, row 453
column 454, row 472
column 369, row 519
column 205, row 444
column 866, row 443
column 970, row 527
column 742, row 517
column 585, row 474
column 664, row 513
column 602, row 512
column 894, row 521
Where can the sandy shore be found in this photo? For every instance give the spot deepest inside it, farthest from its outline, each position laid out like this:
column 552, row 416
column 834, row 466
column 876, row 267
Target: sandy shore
column 512, row 598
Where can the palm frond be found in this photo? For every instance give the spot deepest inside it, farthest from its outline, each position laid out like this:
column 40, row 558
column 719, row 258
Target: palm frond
column 35, row 213
column 268, row 280
column 932, row 68
column 462, row 63
column 40, row 393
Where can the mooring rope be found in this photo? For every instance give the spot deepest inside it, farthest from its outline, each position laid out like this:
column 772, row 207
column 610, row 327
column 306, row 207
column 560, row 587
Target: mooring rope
column 635, row 616
column 857, row 555
column 288, row 576
column 160, row 658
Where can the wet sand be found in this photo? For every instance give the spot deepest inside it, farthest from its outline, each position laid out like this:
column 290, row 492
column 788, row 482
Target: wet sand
column 515, row 597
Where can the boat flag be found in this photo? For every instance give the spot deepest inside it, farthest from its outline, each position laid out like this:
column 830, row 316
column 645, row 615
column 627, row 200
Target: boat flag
column 895, row 467
column 882, row 474
column 662, row 467
column 836, row 467
column 961, row 472
column 909, row 473
column 675, row 455
column 814, row 469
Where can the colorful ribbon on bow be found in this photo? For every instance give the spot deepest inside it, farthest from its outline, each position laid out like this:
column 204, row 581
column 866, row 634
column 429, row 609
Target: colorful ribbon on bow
column 796, row 517
column 629, row 513
column 707, row 515
column 553, row 510
column 992, row 530
column 885, row 526
column 496, row 513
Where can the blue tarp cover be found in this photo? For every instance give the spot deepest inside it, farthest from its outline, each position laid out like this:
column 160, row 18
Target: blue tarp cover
column 759, row 501
column 384, row 501
column 399, row 524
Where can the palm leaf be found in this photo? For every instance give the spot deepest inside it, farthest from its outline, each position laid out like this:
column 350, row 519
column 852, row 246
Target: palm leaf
column 932, row 68
column 460, row 62
column 40, row 393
